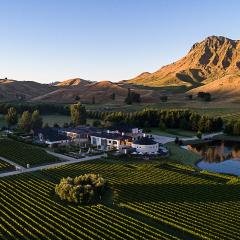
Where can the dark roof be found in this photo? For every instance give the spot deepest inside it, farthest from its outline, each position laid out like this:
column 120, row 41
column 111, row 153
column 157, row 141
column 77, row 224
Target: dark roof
column 114, row 136
column 145, row 141
column 81, row 129
column 51, row 134
column 121, row 127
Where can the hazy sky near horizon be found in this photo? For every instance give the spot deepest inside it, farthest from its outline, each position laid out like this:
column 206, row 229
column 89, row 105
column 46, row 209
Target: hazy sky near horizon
column 53, row 40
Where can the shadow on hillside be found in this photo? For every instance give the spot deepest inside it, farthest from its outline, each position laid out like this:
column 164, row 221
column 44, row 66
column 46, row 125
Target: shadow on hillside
column 179, row 192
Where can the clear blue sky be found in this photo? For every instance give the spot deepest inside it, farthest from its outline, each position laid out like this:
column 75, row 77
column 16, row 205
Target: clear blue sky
column 53, row 40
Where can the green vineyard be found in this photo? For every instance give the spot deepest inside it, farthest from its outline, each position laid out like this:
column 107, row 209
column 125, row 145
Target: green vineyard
column 24, row 154
column 4, row 166
column 154, row 202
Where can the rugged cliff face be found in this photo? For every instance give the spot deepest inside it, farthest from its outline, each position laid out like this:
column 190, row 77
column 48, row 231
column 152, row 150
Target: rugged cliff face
column 209, row 60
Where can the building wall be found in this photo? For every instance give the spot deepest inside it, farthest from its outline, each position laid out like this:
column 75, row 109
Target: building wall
column 105, row 143
column 146, row 148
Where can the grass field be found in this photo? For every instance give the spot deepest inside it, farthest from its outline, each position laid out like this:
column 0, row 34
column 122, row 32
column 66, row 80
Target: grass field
column 155, row 202
column 50, row 119
column 24, row 154
column 173, row 132
column 181, row 155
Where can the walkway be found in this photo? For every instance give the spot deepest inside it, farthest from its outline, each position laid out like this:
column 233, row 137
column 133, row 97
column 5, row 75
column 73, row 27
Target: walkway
column 12, row 163
column 164, row 139
column 54, row 165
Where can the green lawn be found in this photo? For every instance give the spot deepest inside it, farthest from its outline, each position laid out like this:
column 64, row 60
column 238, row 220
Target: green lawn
column 24, row 154
column 154, row 202
column 173, row 132
column 227, row 137
column 59, row 119
column 181, row 155
column 50, row 119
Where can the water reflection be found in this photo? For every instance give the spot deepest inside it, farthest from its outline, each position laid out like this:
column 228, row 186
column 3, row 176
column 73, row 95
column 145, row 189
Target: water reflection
column 216, row 152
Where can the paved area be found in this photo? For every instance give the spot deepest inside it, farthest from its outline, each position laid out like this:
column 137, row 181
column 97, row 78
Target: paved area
column 12, row 163
column 164, row 139
column 73, row 160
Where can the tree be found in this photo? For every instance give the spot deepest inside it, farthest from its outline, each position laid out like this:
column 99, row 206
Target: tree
column 236, row 128
column 77, row 98
column 78, row 114
column 164, row 98
column 84, row 189
column 136, row 97
column 65, row 125
column 46, row 125
column 93, row 100
column 207, row 97
column 96, row 123
column 176, row 140
column 190, row 97
column 11, row 117
column 56, row 125
column 113, row 96
column 162, row 125
column 128, row 99
column 37, row 121
column 199, row 134
column 25, row 121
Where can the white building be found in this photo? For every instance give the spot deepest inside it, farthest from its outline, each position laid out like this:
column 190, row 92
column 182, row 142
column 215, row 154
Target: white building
column 109, row 141
column 145, row 145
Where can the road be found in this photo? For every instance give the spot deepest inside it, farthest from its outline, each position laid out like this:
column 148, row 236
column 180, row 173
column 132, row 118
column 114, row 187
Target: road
column 164, row 139
column 11, row 162
column 54, row 165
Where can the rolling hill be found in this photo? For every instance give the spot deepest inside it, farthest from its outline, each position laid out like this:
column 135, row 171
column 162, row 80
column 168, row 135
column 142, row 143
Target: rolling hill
column 212, row 65
column 100, row 91
column 73, row 82
column 15, row 90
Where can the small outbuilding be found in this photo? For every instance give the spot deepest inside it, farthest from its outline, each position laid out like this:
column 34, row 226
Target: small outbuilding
column 145, row 145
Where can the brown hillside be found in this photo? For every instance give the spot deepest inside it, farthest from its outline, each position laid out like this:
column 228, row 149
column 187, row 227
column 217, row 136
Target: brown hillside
column 101, row 91
column 72, row 82
column 12, row 90
column 225, row 88
column 211, row 59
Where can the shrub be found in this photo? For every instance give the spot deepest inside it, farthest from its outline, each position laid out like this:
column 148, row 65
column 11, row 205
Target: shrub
column 87, row 188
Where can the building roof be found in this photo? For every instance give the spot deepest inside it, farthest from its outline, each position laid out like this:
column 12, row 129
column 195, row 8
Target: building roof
column 81, row 129
column 113, row 136
column 145, row 141
column 121, row 127
column 51, row 134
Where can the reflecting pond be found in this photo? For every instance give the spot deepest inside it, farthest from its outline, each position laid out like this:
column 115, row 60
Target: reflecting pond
column 219, row 156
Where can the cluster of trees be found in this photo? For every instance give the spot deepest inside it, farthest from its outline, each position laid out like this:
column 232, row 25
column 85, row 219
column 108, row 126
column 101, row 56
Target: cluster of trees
column 132, row 97
column 78, row 114
column 232, row 127
column 183, row 119
column 205, row 96
column 101, row 115
column 43, row 108
column 85, row 189
column 28, row 121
